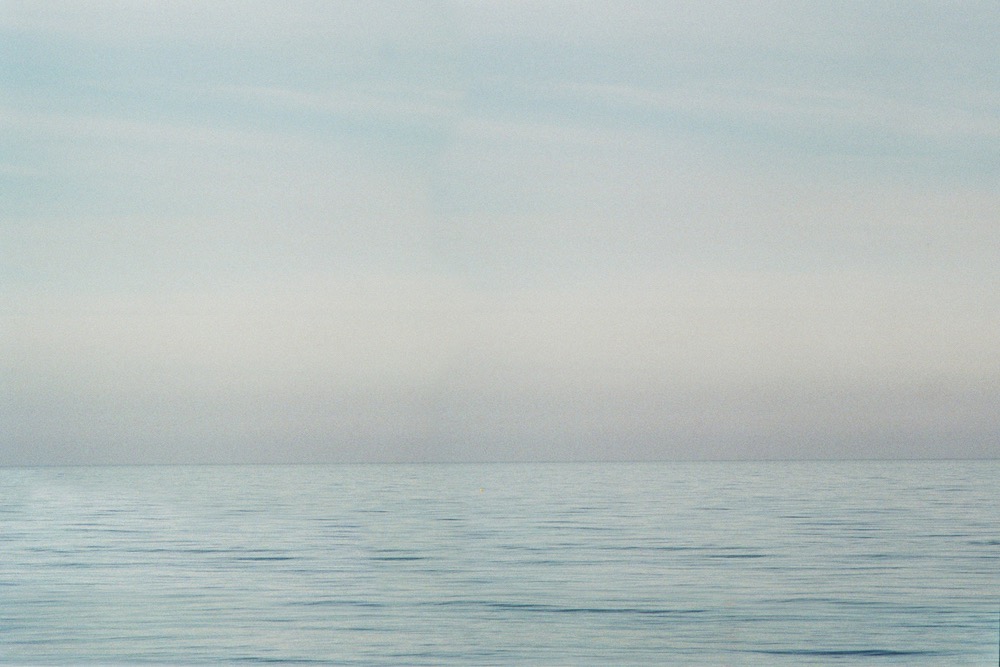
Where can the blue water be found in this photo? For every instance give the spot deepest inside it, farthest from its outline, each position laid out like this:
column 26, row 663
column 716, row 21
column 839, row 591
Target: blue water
column 537, row 564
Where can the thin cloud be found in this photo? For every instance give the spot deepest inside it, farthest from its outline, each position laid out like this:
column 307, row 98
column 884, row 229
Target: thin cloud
column 806, row 108
column 128, row 130
column 245, row 23
column 392, row 102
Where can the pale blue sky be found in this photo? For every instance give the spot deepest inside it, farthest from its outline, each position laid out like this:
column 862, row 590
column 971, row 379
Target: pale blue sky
column 331, row 231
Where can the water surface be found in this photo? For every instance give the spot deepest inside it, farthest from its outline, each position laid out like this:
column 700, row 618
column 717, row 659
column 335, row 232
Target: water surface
column 587, row 564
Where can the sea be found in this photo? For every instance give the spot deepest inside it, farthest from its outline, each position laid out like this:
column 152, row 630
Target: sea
column 696, row 563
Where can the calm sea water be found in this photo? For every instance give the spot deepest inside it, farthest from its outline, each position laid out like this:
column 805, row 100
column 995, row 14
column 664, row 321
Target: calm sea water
column 543, row 564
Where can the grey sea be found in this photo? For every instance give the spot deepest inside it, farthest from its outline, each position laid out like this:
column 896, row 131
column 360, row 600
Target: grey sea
column 770, row 563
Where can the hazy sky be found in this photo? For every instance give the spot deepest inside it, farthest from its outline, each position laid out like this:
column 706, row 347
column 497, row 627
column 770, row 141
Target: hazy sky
column 477, row 230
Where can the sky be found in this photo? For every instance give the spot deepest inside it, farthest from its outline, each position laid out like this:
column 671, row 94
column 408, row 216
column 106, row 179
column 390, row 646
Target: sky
column 310, row 231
